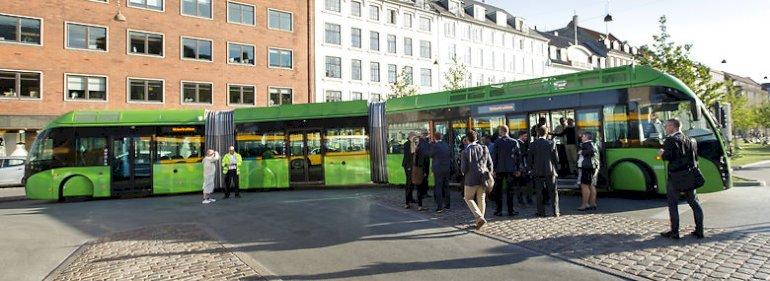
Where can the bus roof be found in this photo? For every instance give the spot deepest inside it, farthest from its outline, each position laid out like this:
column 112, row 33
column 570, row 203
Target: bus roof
column 609, row 78
column 302, row 111
column 129, row 118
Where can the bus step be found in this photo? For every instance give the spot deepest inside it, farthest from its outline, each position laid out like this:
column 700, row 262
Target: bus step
column 567, row 184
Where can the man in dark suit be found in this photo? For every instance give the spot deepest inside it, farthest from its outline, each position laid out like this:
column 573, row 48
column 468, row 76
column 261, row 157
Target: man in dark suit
column 506, row 158
column 543, row 161
column 677, row 149
column 407, row 163
column 440, row 165
column 523, row 181
column 423, row 162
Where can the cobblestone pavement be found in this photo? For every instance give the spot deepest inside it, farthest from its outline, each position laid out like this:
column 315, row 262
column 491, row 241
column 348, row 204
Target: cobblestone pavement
column 178, row 252
column 628, row 247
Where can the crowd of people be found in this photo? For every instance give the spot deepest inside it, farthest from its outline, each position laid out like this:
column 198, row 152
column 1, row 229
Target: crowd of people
column 518, row 163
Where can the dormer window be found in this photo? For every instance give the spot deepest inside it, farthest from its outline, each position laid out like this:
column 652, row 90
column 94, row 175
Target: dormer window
column 479, row 12
column 454, row 7
column 501, row 18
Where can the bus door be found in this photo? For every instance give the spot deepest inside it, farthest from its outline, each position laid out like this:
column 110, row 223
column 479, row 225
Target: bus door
column 305, row 157
column 534, row 117
column 589, row 120
column 131, row 161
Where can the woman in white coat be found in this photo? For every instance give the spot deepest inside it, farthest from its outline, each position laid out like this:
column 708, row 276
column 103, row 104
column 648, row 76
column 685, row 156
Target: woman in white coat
column 209, row 175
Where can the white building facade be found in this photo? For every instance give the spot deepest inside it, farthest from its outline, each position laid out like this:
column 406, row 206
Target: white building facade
column 494, row 46
column 362, row 45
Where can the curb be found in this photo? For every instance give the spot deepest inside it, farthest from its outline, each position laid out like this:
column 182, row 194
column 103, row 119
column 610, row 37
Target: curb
column 12, row 198
column 752, row 164
column 749, row 183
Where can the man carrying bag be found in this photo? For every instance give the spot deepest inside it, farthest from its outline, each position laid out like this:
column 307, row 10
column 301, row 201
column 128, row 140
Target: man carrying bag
column 683, row 177
column 476, row 165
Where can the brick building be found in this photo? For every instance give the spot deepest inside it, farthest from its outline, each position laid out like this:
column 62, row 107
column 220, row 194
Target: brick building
column 62, row 55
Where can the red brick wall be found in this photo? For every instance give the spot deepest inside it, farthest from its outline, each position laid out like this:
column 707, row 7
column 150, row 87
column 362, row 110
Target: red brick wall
column 53, row 60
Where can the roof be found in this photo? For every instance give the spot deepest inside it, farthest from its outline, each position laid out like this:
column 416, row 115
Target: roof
column 302, row 111
column 129, row 117
column 742, row 79
column 608, row 78
column 592, row 40
column 488, row 22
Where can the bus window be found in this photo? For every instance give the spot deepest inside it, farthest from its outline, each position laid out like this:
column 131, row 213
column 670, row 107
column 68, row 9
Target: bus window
column 267, row 145
column 398, row 133
column 517, row 123
column 91, row 151
column 459, row 129
column 659, row 113
column 588, row 121
column 615, row 126
column 346, row 141
column 488, row 126
column 178, row 149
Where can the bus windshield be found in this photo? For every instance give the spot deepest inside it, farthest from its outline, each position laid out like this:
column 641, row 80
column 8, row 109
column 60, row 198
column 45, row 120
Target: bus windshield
column 653, row 117
column 42, row 148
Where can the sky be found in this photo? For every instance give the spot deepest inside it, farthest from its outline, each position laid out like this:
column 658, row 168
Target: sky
column 737, row 31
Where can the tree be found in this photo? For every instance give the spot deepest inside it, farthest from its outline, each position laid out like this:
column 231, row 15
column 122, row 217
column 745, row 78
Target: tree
column 743, row 116
column 674, row 59
column 455, row 76
column 403, row 87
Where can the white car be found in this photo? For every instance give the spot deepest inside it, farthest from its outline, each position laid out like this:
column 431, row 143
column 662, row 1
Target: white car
column 11, row 170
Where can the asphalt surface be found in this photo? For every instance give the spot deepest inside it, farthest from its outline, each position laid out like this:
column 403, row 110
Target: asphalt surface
column 307, row 235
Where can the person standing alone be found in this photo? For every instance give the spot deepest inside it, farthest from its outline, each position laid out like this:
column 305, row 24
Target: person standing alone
column 506, row 158
column 441, row 162
column 474, row 162
column 543, row 161
column 209, row 175
column 588, row 165
column 231, row 167
column 678, row 150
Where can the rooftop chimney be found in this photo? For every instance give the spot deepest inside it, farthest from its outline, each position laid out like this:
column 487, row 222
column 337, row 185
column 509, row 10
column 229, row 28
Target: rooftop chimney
column 575, row 25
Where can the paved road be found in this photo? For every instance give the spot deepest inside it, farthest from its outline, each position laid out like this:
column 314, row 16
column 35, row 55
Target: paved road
column 309, row 235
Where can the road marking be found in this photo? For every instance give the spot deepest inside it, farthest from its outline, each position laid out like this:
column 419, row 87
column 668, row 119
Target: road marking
column 327, row 199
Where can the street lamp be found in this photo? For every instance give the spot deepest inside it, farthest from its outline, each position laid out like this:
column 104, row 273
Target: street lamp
column 724, row 61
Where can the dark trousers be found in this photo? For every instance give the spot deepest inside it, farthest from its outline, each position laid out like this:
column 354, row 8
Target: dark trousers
column 672, row 194
column 409, row 187
column 523, row 190
column 441, row 190
column 422, row 190
column 231, row 182
column 506, row 178
column 546, row 186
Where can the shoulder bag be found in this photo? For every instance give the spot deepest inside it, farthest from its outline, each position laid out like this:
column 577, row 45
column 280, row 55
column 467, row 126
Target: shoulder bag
column 487, row 180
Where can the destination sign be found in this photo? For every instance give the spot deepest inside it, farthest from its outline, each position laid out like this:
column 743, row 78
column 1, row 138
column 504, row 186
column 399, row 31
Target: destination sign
column 507, row 107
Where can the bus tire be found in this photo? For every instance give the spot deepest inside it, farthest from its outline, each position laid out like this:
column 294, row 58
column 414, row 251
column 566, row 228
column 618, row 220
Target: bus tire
column 647, row 174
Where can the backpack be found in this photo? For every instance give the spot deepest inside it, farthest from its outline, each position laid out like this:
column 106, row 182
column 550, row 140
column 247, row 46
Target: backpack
column 691, row 178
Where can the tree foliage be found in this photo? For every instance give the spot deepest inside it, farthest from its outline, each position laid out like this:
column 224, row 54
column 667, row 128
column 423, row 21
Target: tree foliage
column 743, row 116
column 403, row 87
column 455, row 76
column 674, row 59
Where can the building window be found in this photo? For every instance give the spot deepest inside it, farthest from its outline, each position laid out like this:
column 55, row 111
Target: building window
column 407, row 46
column 280, row 20
column 426, row 77
column 20, row 85
column 332, row 96
column 408, row 75
column 392, row 44
column 144, row 43
column 240, row 54
column 197, row 49
column 392, row 73
column 144, row 90
column 86, row 37
column 197, row 8
column 279, row 96
column 355, row 70
column 425, row 50
column 156, row 5
column 408, row 20
column 424, row 24
column 356, row 96
column 374, row 71
column 280, row 58
column 355, row 8
column 449, row 29
column 374, row 12
column 333, row 5
column 194, row 92
column 240, row 94
column 20, row 30
column 332, row 34
column 375, row 97
column 86, row 87
column 334, row 67
column 392, row 14
column 374, row 40
column 355, row 37
column 240, row 13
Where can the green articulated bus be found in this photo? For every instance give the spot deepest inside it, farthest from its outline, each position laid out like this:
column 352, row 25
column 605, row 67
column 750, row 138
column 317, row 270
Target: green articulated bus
column 134, row 153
